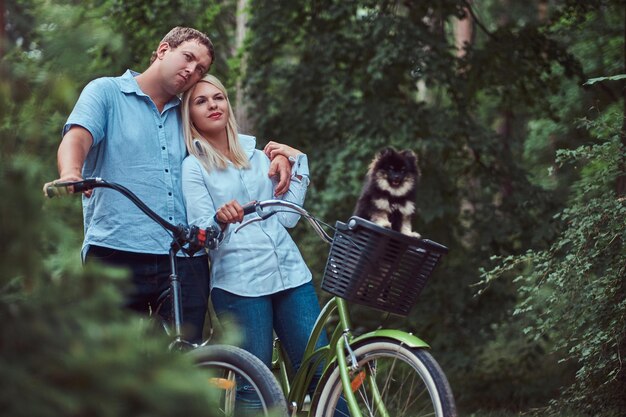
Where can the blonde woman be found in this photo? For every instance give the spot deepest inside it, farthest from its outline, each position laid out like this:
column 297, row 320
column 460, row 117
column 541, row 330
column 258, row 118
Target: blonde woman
column 258, row 276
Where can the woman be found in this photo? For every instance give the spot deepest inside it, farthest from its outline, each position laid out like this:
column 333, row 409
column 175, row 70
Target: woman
column 258, row 276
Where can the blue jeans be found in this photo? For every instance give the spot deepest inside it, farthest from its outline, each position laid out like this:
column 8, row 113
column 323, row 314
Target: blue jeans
column 290, row 313
column 150, row 277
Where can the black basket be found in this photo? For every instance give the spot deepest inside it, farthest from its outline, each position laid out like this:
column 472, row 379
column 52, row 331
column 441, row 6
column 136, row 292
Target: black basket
column 379, row 267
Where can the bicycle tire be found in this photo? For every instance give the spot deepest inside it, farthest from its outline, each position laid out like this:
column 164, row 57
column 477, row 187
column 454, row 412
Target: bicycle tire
column 412, row 383
column 224, row 362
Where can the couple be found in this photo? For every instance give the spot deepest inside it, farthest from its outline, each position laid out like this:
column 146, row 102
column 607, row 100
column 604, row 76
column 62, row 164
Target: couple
column 189, row 164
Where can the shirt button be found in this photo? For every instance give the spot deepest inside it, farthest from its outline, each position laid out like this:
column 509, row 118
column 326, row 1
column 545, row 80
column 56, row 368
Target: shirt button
column 160, row 126
column 169, row 193
column 167, row 170
column 163, row 147
column 170, row 218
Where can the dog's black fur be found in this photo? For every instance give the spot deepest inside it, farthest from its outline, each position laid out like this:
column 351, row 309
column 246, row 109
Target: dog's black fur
column 389, row 192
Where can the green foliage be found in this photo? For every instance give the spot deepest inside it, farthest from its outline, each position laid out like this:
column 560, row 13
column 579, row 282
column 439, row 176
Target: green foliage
column 144, row 23
column 340, row 80
column 581, row 276
column 66, row 346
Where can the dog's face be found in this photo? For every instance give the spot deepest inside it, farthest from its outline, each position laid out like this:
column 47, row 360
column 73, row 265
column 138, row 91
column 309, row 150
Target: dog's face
column 395, row 171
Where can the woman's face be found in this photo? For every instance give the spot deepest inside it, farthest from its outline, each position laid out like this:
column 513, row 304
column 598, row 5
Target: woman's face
column 208, row 109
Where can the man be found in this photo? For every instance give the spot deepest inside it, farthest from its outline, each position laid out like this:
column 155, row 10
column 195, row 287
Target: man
column 128, row 130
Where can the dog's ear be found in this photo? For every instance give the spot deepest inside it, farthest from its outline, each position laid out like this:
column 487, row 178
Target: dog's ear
column 412, row 160
column 385, row 152
column 409, row 155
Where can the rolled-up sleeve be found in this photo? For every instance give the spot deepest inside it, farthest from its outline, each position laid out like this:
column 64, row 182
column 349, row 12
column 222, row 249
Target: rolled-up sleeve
column 91, row 109
column 297, row 190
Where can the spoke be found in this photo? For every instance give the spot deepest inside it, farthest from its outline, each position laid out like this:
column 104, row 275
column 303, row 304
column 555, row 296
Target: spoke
column 363, row 394
column 411, row 399
column 427, row 404
column 386, row 385
column 341, row 412
column 408, row 402
column 393, row 382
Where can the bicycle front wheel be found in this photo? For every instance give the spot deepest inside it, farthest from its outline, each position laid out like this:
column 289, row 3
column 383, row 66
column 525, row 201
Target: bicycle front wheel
column 242, row 384
column 391, row 380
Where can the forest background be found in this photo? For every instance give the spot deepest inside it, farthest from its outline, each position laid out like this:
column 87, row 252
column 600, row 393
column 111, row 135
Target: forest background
column 516, row 109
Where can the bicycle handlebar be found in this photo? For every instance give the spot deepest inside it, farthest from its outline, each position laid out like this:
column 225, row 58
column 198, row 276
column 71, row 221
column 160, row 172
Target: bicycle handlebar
column 259, row 206
column 249, row 208
column 63, row 188
column 194, row 237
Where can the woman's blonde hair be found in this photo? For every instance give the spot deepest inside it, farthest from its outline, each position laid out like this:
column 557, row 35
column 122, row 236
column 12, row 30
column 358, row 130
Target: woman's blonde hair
column 200, row 147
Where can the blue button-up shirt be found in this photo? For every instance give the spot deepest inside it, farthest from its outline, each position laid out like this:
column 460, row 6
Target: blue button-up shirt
column 261, row 258
column 139, row 147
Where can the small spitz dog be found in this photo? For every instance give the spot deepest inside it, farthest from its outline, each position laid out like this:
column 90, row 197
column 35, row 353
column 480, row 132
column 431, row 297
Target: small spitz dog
column 389, row 192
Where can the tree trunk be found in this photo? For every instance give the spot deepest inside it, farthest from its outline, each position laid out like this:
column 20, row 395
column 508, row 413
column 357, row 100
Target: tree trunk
column 620, row 186
column 542, row 10
column 463, row 32
column 505, row 130
column 2, row 31
column 241, row 111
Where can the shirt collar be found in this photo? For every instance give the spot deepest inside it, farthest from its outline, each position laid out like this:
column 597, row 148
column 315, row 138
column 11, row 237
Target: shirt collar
column 128, row 85
column 248, row 143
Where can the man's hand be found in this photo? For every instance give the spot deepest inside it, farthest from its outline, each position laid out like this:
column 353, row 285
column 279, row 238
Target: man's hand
column 66, row 178
column 280, row 167
column 273, row 149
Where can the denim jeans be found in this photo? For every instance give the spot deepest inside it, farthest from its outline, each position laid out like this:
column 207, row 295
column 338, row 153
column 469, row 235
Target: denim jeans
column 290, row 313
column 150, row 277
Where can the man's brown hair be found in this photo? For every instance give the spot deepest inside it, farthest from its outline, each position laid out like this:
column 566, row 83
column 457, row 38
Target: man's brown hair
column 181, row 34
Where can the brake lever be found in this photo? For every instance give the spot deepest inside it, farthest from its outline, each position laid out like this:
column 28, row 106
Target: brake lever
column 262, row 216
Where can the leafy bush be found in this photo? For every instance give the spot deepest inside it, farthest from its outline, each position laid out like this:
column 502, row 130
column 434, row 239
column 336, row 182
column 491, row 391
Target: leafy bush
column 573, row 293
column 67, row 348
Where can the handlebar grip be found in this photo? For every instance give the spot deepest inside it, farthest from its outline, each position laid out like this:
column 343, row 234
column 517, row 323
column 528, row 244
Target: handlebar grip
column 63, row 188
column 249, row 208
column 57, row 190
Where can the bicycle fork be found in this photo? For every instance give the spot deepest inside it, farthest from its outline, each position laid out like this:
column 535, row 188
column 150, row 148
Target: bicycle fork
column 177, row 314
column 350, row 386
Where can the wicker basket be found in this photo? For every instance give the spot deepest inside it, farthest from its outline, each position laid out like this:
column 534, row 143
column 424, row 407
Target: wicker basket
column 379, row 267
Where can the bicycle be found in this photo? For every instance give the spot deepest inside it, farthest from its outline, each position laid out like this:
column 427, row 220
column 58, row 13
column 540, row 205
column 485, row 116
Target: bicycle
column 229, row 367
column 385, row 372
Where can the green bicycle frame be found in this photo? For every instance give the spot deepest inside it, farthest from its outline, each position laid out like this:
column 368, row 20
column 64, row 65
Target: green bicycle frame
column 335, row 352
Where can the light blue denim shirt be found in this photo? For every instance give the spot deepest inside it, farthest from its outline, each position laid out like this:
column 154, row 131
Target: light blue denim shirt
column 139, row 147
column 261, row 258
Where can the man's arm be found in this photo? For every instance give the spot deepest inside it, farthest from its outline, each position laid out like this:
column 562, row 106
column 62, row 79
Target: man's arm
column 71, row 155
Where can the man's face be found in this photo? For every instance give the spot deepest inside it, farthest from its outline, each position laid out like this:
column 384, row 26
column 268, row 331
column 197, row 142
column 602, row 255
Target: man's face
column 183, row 66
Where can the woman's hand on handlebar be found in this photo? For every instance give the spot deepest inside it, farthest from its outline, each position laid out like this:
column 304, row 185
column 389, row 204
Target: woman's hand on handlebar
column 231, row 212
